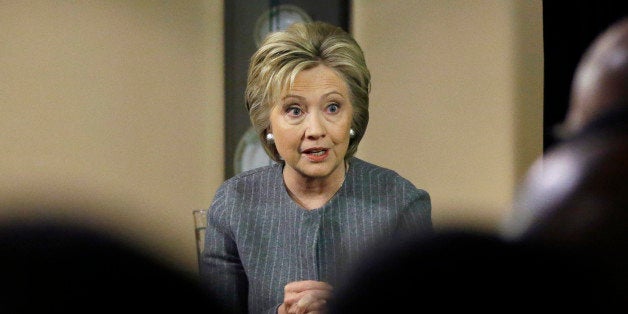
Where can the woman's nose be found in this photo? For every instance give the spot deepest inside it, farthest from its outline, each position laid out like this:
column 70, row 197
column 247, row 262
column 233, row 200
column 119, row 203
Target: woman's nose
column 314, row 126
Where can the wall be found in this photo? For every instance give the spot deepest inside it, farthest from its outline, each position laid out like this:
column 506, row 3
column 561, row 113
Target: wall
column 111, row 114
column 456, row 102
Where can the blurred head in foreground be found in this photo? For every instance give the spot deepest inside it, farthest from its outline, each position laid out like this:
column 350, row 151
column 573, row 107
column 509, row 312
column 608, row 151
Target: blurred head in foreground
column 600, row 83
column 52, row 267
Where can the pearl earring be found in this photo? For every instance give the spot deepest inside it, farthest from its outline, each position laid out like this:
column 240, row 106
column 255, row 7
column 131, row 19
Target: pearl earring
column 270, row 138
column 351, row 133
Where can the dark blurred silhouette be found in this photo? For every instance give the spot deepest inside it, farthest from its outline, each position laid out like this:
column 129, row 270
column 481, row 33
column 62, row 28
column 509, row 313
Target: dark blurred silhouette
column 600, row 83
column 577, row 196
column 578, row 192
column 53, row 267
column 472, row 272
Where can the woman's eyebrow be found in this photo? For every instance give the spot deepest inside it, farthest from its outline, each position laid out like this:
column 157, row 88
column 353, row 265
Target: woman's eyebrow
column 333, row 93
column 292, row 96
column 322, row 96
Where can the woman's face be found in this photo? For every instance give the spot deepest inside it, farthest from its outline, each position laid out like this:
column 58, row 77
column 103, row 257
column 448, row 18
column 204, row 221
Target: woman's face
column 311, row 123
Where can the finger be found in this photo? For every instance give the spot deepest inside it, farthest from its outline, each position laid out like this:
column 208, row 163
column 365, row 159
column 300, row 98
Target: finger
column 309, row 304
column 302, row 305
column 318, row 306
column 298, row 286
column 321, row 294
column 293, row 298
column 291, row 310
column 295, row 290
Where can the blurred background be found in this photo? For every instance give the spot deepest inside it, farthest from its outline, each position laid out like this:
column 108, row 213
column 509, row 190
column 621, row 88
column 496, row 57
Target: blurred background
column 112, row 113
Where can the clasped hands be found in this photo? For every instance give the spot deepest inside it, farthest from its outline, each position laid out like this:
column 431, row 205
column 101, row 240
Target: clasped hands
column 307, row 296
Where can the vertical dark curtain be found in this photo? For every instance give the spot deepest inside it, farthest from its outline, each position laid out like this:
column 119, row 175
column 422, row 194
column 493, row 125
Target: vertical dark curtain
column 569, row 27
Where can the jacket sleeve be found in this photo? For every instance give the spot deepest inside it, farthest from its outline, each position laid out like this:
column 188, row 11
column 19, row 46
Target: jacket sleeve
column 417, row 214
column 221, row 270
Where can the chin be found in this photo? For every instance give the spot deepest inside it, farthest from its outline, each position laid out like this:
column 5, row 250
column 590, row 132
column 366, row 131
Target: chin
column 316, row 173
column 320, row 170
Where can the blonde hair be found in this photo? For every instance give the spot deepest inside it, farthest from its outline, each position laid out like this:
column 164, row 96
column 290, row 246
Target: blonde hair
column 282, row 55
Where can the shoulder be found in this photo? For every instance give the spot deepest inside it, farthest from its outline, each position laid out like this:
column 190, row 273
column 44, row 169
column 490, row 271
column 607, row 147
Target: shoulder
column 366, row 169
column 253, row 177
column 370, row 169
column 248, row 183
column 385, row 191
column 372, row 174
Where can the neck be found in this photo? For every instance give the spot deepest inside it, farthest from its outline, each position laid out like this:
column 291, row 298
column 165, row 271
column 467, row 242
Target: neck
column 312, row 192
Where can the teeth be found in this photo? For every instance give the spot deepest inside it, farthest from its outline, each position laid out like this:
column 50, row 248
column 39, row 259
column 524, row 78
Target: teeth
column 316, row 152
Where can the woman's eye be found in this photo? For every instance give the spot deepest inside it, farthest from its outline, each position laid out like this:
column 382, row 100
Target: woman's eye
column 333, row 108
column 294, row 111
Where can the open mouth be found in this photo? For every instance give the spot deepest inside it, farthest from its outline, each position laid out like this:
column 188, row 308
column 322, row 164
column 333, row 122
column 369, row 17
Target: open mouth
column 315, row 152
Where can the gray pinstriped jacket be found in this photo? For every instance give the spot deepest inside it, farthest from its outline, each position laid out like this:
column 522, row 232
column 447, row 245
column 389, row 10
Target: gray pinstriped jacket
column 258, row 239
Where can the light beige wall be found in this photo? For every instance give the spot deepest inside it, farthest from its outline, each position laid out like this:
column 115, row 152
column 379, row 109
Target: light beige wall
column 111, row 113
column 456, row 103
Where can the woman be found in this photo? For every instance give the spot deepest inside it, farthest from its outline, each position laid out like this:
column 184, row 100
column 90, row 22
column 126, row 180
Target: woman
column 279, row 236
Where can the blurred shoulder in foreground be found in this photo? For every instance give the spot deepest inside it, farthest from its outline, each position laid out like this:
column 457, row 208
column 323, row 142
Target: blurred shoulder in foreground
column 462, row 271
column 65, row 268
column 578, row 192
column 577, row 196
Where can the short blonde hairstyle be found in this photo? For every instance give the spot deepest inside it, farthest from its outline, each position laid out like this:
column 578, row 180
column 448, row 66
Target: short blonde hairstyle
column 302, row 46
